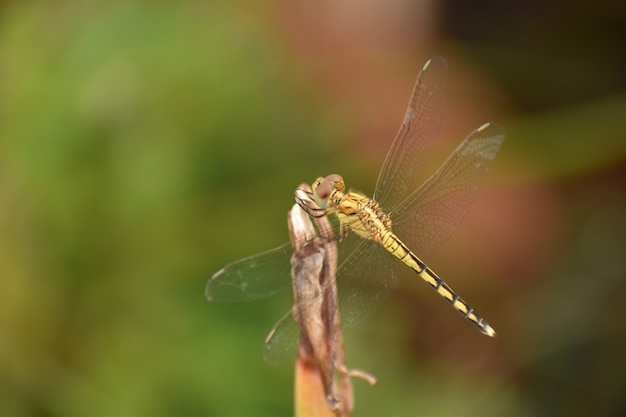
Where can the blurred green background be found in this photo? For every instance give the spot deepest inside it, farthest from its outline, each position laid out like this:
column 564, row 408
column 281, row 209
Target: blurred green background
column 143, row 145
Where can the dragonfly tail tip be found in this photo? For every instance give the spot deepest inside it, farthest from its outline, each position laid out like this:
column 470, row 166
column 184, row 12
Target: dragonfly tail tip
column 489, row 331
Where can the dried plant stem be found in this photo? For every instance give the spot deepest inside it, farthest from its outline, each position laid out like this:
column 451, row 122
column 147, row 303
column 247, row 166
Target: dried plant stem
column 321, row 354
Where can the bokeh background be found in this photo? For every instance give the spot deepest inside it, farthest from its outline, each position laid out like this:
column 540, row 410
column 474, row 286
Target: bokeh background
column 145, row 144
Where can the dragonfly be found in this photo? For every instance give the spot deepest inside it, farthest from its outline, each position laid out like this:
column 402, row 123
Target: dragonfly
column 406, row 216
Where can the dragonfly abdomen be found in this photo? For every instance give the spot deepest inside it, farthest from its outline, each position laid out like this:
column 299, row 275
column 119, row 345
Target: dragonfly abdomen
column 398, row 249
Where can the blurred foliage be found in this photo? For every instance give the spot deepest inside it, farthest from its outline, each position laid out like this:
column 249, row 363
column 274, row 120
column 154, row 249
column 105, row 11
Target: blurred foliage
column 145, row 144
column 123, row 129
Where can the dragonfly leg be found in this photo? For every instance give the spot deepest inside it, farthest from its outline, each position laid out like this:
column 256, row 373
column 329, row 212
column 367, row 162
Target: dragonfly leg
column 310, row 206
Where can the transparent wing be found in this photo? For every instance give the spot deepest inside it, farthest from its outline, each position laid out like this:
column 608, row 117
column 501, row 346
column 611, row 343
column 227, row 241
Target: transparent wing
column 252, row 278
column 281, row 341
column 255, row 277
column 401, row 171
column 429, row 216
column 365, row 278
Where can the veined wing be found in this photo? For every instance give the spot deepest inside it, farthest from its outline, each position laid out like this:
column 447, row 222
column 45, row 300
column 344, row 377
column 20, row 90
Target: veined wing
column 255, row 277
column 366, row 275
column 282, row 340
column 429, row 216
column 365, row 278
column 400, row 173
column 258, row 276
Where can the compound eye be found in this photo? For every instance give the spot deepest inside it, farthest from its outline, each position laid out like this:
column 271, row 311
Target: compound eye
column 337, row 181
column 335, row 178
column 323, row 190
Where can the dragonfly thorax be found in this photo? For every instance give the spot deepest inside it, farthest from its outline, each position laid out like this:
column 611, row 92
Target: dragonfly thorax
column 363, row 216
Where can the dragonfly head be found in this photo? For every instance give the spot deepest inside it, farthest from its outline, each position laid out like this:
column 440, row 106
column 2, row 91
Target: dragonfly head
column 324, row 187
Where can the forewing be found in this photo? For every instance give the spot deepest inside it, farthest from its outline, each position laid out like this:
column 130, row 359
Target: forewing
column 402, row 169
column 252, row 278
column 429, row 216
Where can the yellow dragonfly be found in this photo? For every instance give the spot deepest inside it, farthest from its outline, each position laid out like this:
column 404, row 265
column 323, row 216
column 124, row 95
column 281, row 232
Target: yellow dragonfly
column 405, row 217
